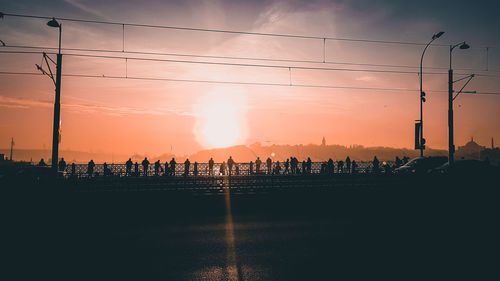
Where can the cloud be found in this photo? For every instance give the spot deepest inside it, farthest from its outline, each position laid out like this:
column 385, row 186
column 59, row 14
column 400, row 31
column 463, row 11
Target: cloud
column 85, row 8
column 366, row 78
column 20, row 103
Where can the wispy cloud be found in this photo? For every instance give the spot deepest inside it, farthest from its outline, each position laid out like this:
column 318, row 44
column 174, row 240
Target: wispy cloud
column 85, row 8
column 21, row 103
column 366, row 78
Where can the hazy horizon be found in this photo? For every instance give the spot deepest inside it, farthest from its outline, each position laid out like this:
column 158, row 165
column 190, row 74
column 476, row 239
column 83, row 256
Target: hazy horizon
column 241, row 153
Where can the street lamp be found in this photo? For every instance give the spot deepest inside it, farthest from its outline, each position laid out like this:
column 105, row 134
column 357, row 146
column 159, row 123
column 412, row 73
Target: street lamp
column 54, row 23
column 451, row 145
column 420, row 130
column 57, row 103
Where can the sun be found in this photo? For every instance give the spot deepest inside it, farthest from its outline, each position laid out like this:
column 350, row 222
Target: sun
column 220, row 125
column 221, row 118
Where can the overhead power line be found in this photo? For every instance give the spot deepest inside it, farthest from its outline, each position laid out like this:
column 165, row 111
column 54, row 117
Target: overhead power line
column 223, row 30
column 238, row 82
column 235, row 57
column 284, row 67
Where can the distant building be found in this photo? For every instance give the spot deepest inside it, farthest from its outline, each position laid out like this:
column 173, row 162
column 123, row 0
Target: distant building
column 492, row 154
column 323, row 142
column 470, row 150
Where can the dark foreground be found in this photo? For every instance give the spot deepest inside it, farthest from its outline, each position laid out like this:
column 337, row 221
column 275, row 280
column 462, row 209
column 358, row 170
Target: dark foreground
column 406, row 229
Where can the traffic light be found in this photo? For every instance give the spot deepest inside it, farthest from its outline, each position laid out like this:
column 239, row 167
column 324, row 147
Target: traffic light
column 418, row 131
column 422, row 96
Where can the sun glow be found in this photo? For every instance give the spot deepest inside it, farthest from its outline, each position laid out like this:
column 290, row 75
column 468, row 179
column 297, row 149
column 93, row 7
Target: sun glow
column 221, row 118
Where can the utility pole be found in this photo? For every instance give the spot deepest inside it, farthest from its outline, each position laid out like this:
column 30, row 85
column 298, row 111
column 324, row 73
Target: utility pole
column 57, row 101
column 451, row 145
column 57, row 113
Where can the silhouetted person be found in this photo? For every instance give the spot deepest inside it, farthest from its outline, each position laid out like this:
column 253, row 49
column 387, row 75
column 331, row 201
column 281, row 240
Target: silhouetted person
column 230, row 163
column 304, row 166
column 211, row 166
column 222, row 169
column 398, row 162
column 257, row 165
column 73, row 169
column 251, row 168
column 309, row 165
column 90, row 168
column 128, row 167
column 287, row 165
column 237, row 169
column 195, row 168
column 42, row 163
column 330, row 166
column 172, row 166
column 157, row 168
column 354, row 167
column 62, row 165
column 277, row 168
column 294, row 162
column 186, row 167
column 136, row 169
column 340, row 166
column 106, row 171
column 376, row 164
column 324, row 168
column 145, row 166
column 269, row 164
column 167, row 169
column 348, row 164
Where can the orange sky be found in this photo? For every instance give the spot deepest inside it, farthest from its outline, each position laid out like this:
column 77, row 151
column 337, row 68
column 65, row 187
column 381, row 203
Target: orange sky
column 154, row 117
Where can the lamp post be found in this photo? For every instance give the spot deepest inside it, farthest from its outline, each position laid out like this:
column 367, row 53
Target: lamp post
column 451, row 145
column 421, row 145
column 57, row 103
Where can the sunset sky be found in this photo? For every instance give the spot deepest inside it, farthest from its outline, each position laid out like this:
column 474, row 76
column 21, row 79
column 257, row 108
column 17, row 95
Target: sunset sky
column 154, row 117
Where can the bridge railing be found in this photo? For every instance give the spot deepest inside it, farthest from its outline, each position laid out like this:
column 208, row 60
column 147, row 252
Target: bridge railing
column 81, row 170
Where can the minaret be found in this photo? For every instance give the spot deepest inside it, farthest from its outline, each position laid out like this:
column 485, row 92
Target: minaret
column 323, row 142
column 492, row 144
column 11, row 148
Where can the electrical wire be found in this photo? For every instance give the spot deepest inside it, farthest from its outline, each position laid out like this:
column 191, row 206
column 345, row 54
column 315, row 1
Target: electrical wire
column 237, row 82
column 243, row 64
column 224, row 31
column 235, row 58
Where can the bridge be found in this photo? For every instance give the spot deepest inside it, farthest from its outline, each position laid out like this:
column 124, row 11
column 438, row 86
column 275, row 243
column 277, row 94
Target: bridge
column 120, row 170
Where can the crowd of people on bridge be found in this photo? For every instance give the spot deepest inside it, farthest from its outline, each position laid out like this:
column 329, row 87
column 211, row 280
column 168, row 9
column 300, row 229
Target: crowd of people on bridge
column 291, row 166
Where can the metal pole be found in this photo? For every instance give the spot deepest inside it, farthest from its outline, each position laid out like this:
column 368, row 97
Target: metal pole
column 451, row 146
column 421, row 103
column 57, row 109
column 421, row 110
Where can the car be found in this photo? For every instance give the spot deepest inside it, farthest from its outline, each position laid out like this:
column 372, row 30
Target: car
column 421, row 164
column 468, row 166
